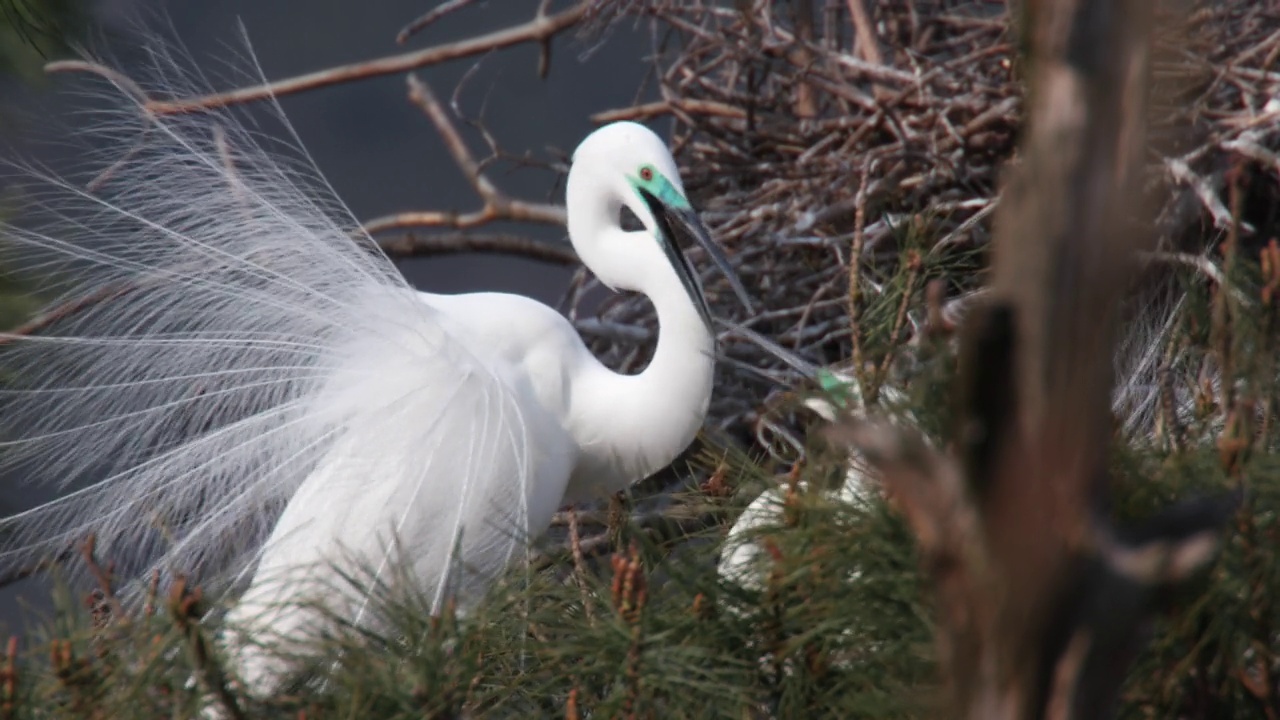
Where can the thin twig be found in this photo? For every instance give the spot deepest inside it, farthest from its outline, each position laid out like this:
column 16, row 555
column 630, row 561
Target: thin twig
column 497, row 205
column 102, row 575
column 579, row 564
column 645, row 111
column 855, row 279
column 63, row 311
column 422, row 21
column 539, row 29
column 411, row 245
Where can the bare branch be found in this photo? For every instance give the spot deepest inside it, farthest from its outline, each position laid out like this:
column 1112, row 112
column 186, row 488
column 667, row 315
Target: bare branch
column 410, row 245
column 868, row 47
column 115, row 77
column 497, row 205
column 540, row 29
column 432, row 15
column 1039, row 600
column 63, row 311
column 645, row 111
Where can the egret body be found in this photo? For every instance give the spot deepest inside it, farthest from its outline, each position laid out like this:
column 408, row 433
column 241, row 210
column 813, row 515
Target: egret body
column 246, row 392
column 589, row 431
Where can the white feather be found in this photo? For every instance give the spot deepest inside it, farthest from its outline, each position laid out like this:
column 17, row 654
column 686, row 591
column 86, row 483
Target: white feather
column 246, row 387
column 237, row 336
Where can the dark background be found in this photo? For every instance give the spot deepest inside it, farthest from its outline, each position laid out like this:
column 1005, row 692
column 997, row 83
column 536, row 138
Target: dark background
column 377, row 150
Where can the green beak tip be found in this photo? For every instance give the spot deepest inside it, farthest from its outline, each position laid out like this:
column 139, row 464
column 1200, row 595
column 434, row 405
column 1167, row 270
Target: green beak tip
column 834, row 385
column 828, row 380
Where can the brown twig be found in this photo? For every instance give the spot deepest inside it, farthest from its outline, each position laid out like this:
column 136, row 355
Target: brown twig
column 1038, row 599
column 855, row 279
column 422, row 21
column 411, row 245
column 62, row 312
column 126, row 85
column 805, row 103
column 646, row 111
column 36, row 568
column 579, row 564
column 103, row 576
column 9, row 679
column 539, row 29
column 899, row 321
column 658, row 526
column 497, row 206
column 184, row 610
column 868, row 47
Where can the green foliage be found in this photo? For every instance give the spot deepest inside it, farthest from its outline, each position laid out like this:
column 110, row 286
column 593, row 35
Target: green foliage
column 1214, row 654
column 649, row 631
column 17, row 301
column 33, row 30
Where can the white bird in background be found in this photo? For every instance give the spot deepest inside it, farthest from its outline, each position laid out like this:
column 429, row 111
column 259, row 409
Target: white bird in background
column 1135, row 400
column 233, row 352
column 743, row 558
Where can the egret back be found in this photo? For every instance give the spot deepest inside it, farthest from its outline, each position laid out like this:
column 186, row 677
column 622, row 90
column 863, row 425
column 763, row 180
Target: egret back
column 217, row 327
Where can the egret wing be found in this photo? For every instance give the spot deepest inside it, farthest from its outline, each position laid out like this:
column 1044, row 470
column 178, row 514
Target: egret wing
column 210, row 297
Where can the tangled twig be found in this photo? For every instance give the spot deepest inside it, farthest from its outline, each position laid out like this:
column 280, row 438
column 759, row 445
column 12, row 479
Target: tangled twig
column 926, row 97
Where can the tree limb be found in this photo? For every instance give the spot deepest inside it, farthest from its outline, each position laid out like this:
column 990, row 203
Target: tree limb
column 1040, row 600
column 410, row 245
column 539, row 29
column 497, row 205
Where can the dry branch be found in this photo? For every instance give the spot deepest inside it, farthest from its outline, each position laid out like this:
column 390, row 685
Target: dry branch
column 61, row 312
column 411, row 245
column 781, row 192
column 422, row 21
column 497, row 206
column 1040, row 605
column 540, row 29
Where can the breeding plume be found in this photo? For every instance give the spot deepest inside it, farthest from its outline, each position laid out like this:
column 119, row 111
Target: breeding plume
column 242, row 388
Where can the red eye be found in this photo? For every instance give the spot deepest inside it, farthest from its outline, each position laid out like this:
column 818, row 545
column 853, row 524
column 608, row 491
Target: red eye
column 646, row 174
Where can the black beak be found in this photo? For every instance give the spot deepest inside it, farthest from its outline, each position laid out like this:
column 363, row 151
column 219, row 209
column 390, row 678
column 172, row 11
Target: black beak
column 842, row 393
column 675, row 223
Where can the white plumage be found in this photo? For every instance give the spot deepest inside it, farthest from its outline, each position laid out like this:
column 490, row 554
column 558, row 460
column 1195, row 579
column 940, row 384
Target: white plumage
column 249, row 389
column 1135, row 401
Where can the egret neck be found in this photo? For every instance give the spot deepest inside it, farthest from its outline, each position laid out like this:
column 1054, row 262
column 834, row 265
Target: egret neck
column 631, row 426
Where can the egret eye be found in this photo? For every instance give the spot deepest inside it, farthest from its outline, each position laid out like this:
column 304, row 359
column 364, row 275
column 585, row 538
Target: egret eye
column 646, row 173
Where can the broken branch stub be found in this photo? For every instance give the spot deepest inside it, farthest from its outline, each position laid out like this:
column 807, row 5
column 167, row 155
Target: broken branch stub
column 1041, row 600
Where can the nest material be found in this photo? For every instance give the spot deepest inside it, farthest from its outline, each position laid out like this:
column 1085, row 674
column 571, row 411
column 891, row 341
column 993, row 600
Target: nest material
column 809, row 132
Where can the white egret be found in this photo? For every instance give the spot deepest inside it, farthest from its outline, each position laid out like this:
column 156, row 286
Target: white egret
column 742, row 557
column 588, row 430
column 250, row 392
column 1134, row 402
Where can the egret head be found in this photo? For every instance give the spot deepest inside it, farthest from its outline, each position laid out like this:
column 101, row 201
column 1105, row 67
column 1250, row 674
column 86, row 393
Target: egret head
column 626, row 164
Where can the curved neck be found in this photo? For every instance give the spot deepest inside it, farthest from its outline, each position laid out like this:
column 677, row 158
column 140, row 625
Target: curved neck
column 631, row 426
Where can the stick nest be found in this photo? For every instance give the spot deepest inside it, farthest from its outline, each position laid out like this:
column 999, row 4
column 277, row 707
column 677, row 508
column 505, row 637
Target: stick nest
column 812, row 132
